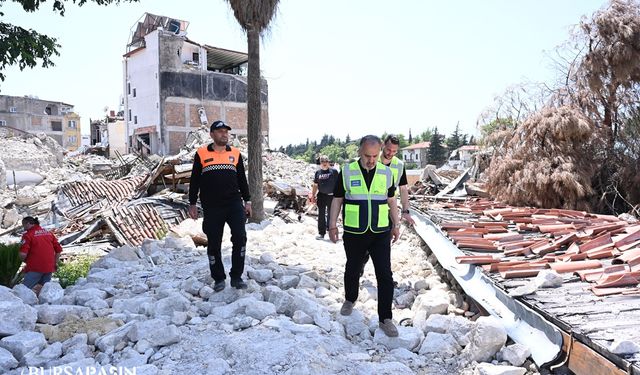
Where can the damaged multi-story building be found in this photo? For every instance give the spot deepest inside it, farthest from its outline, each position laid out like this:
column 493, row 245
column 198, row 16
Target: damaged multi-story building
column 173, row 85
column 33, row 115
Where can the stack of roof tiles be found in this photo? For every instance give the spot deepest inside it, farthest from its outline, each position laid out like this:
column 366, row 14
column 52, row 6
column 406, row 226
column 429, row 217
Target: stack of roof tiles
column 517, row 242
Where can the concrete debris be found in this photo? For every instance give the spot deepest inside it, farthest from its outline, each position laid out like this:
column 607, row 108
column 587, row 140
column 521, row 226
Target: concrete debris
column 148, row 302
column 161, row 315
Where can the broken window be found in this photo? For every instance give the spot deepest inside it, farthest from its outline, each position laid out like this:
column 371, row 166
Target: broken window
column 196, row 57
column 72, row 124
column 56, row 126
column 51, row 110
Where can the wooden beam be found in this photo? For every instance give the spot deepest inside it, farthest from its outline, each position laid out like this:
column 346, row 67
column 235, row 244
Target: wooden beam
column 585, row 361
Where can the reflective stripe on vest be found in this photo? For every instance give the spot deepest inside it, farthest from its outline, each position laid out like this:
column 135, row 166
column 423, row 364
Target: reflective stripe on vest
column 366, row 208
column 396, row 166
column 215, row 160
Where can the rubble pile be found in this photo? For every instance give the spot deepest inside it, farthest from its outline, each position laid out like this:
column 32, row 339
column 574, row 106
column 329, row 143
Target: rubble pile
column 151, row 307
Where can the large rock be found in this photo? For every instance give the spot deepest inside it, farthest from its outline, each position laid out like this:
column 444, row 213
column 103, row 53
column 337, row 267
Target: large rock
column 49, row 354
column 192, row 286
column 25, row 294
column 288, row 281
column 515, row 354
column 548, row 279
column 354, row 324
column 487, row 338
column 7, row 361
column 51, row 293
column 408, row 338
column 15, row 316
column 11, row 217
column 133, row 305
column 23, row 343
column 427, row 304
column 167, row 306
column 108, row 342
column 56, row 314
column 260, row 310
column 261, row 276
column 491, row 369
column 154, row 331
column 82, row 296
column 441, row 344
column 124, row 254
column 283, row 302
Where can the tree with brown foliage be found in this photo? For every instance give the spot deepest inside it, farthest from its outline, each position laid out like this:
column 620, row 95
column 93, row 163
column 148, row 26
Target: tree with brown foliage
column 546, row 162
column 254, row 16
column 578, row 151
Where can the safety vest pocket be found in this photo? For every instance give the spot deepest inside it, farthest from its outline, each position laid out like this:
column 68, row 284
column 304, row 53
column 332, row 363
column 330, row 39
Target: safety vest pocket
column 383, row 215
column 352, row 215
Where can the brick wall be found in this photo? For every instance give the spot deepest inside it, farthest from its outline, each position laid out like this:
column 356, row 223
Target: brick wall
column 174, row 114
column 176, row 140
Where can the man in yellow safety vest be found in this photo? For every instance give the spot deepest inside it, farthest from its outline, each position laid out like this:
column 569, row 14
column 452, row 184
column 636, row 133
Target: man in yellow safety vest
column 365, row 194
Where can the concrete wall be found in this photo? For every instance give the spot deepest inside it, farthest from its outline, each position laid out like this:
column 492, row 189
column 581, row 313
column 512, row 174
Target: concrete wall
column 141, row 75
column 117, row 138
column 30, row 115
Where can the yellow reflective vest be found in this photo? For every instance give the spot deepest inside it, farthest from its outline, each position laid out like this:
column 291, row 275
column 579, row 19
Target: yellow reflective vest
column 366, row 208
column 396, row 166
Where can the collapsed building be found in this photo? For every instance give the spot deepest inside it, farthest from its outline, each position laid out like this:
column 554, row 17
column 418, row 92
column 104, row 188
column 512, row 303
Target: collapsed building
column 172, row 85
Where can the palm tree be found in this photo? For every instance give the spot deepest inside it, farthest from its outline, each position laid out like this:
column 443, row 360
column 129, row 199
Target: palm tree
column 254, row 17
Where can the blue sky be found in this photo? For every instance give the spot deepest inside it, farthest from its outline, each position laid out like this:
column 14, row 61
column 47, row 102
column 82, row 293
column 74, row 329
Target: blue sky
column 334, row 67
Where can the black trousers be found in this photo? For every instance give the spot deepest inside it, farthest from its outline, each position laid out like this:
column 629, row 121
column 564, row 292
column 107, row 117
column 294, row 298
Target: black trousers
column 213, row 226
column 324, row 208
column 379, row 247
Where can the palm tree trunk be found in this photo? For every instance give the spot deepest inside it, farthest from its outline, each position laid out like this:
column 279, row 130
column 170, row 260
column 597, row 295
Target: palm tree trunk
column 254, row 126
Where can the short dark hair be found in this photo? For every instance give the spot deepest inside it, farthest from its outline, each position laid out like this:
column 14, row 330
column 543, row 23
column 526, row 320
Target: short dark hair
column 31, row 220
column 370, row 139
column 393, row 139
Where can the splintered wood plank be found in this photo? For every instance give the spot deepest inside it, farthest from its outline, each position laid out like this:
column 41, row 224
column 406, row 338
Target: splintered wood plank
column 585, row 361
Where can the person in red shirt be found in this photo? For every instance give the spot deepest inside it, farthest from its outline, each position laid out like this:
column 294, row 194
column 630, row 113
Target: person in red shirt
column 40, row 250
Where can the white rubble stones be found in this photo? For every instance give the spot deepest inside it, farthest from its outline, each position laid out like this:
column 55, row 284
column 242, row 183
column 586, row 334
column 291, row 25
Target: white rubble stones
column 288, row 281
column 167, row 305
column 15, row 316
column 124, row 254
column 300, row 317
column 548, row 279
column 487, row 338
column 23, row 343
column 192, row 286
column 441, row 344
column 260, row 310
column 47, row 355
column 51, row 293
column 624, row 347
column 267, row 258
column 409, row 338
column 10, row 218
column 427, row 304
column 56, row 314
column 260, row 275
column 25, row 294
column 155, row 331
column 491, row 369
column 7, row 361
column 515, row 354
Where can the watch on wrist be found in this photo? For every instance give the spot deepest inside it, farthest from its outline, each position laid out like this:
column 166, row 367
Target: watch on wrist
column 405, row 211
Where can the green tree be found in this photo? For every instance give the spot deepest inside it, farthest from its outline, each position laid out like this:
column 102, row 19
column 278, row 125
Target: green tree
column 426, row 135
column 437, row 153
column 351, row 151
column 254, row 16
column 27, row 48
column 335, row 153
column 455, row 140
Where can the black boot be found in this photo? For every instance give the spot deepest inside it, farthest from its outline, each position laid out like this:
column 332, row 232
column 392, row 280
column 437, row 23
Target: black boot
column 238, row 284
column 218, row 286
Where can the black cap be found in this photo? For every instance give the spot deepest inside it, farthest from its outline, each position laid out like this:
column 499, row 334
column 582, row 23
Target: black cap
column 219, row 125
